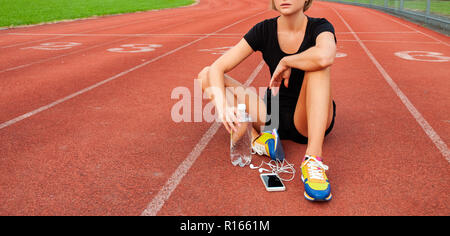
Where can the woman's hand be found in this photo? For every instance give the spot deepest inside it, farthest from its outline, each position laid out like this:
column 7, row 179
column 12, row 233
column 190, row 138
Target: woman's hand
column 229, row 116
column 282, row 72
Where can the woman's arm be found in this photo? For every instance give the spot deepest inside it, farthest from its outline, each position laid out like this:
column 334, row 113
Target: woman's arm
column 222, row 65
column 315, row 58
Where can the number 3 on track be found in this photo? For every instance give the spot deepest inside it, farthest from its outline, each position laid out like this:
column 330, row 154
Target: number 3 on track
column 135, row 48
column 55, row 46
column 422, row 56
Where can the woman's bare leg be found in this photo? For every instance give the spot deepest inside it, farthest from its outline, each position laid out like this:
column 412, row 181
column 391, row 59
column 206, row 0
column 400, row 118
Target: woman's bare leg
column 314, row 110
column 238, row 93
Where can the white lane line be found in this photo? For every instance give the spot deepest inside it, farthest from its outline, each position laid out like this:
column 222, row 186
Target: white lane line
column 86, row 49
column 144, row 35
column 144, row 19
column 438, row 142
column 386, row 41
column 187, row 34
column 164, row 194
column 62, row 35
column 118, row 35
column 60, row 56
column 46, row 107
column 409, row 27
column 397, row 32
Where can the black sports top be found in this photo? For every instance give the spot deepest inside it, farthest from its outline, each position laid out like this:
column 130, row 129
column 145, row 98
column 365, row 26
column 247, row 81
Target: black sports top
column 263, row 37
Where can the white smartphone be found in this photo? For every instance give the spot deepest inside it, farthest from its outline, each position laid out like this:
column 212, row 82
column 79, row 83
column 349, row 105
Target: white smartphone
column 272, row 182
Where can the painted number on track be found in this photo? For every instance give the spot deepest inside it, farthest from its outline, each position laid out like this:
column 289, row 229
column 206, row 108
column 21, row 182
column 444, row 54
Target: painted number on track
column 55, row 46
column 135, row 48
column 223, row 50
column 216, row 51
column 422, row 56
column 340, row 54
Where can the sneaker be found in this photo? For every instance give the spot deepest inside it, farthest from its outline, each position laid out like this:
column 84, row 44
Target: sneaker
column 317, row 186
column 269, row 144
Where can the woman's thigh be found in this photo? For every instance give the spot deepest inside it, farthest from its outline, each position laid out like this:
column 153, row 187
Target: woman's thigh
column 237, row 93
column 300, row 114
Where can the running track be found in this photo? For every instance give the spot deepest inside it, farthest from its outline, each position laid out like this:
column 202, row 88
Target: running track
column 87, row 129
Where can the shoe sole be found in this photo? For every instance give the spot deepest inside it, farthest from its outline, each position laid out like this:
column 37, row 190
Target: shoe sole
column 317, row 200
column 309, row 198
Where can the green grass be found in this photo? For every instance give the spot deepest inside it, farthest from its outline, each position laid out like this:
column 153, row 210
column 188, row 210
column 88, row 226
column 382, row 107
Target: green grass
column 25, row 12
column 436, row 7
column 439, row 7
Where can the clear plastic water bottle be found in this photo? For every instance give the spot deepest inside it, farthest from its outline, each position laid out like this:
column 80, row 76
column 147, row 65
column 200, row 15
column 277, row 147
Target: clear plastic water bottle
column 240, row 145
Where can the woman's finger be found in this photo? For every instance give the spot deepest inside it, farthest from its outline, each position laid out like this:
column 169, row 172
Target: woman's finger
column 237, row 117
column 225, row 123
column 276, row 76
column 275, row 86
column 275, row 91
column 232, row 126
column 236, row 122
column 273, row 82
column 231, row 119
column 286, row 82
column 227, row 127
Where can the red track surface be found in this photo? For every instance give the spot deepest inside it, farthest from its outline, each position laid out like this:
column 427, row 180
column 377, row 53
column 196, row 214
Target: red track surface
column 113, row 149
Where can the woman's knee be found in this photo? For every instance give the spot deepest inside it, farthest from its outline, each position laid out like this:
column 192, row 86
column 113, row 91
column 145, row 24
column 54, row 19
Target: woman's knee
column 203, row 77
column 324, row 73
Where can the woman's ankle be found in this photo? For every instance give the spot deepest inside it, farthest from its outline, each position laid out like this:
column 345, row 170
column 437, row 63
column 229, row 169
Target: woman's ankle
column 314, row 152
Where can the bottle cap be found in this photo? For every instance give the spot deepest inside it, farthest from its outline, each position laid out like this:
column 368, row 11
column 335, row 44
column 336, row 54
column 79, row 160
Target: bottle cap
column 241, row 107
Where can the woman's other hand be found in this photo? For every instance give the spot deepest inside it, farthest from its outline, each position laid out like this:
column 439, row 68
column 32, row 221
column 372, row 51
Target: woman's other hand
column 282, row 72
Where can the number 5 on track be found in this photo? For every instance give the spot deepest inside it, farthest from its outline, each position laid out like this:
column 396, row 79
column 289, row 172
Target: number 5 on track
column 135, row 48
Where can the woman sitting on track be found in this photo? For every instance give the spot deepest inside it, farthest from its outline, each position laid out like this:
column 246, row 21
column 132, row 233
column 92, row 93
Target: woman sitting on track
column 299, row 51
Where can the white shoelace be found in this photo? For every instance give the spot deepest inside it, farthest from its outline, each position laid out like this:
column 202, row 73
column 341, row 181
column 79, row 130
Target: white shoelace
column 315, row 168
column 258, row 148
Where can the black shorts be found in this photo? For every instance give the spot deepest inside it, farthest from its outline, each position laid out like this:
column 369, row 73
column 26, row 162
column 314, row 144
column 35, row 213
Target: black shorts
column 285, row 124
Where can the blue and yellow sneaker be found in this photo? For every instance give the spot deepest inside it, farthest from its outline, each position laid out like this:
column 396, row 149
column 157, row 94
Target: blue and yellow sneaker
column 269, row 144
column 317, row 186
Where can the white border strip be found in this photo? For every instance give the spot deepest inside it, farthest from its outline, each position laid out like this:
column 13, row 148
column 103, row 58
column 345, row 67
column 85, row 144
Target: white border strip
column 46, row 107
column 196, row 2
column 386, row 41
column 81, row 50
column 134, row 22
column 164, row 194
column 187, row 34
column 114, row 35
column 410, row 27
column 395, row 32
column 414, row 112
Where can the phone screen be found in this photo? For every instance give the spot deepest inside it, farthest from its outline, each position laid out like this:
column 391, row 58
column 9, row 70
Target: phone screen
column 272, row 181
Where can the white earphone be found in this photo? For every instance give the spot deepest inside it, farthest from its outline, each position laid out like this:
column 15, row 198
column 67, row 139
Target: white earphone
column 278, row 167
column 259, row 169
